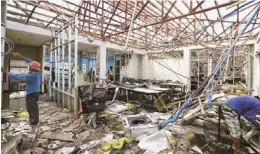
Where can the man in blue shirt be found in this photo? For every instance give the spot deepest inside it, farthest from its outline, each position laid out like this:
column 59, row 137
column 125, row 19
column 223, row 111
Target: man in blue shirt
column 33, row 80
column 246, row 106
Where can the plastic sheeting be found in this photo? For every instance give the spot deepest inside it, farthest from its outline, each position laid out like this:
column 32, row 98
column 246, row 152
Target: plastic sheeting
column 156, row 142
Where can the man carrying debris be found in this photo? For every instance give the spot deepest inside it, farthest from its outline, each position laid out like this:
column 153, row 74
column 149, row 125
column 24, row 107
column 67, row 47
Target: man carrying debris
column 246, row 106
column 33, row 79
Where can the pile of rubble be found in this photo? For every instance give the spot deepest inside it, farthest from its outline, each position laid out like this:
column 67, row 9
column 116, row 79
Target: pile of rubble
column 56, row 129
column 121, row 129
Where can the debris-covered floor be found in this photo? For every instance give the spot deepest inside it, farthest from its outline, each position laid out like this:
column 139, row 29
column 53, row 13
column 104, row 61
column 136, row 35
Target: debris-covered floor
column 61, row 132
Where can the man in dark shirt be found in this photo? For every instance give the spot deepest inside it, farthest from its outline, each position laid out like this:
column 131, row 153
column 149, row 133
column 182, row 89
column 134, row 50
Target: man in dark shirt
column 246, row 106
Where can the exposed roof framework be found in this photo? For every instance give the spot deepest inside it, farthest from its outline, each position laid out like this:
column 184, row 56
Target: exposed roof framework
column 154, row 21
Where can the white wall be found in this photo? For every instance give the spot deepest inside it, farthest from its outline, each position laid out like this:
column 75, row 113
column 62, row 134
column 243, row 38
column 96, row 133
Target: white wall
column 134, row 67
column 153, row 70
column 47, row 33
column 157, row 71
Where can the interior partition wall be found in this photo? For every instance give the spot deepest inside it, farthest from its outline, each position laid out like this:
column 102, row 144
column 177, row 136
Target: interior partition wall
column 63, row 76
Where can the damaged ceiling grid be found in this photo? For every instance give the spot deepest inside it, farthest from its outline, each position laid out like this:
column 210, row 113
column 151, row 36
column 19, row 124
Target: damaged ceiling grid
column 153, row 20
column 159, row 26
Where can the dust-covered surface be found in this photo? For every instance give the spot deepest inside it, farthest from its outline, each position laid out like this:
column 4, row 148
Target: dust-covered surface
column 61, row 132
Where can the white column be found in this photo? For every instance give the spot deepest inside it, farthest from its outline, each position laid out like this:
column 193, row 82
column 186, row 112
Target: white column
column 76, row 67
column 63, row 68
column 256, row 68
column 146, row 71
column 69, row 67
column 187, row 59
column 50, row 75
column 249, row 71
column 101, row 61
column 58, row 68
column 140, row 73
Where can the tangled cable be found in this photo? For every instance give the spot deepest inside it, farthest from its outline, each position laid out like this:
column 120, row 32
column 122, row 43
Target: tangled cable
column 10, row 45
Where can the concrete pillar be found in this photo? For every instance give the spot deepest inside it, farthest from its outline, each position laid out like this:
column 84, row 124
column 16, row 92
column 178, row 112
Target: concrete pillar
column 147, row 70
column 256, row 68
column 187, row 59
column 249, row 71
column 101, row 61
column 140, row 66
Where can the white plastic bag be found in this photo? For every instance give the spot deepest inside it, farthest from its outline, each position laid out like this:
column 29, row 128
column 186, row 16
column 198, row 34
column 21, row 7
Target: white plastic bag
column 156, row 142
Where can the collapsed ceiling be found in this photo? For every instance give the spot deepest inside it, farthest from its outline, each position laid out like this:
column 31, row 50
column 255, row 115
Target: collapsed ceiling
column 155, row 24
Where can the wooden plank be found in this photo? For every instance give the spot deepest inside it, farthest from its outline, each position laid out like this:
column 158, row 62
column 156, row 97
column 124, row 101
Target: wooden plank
column 58, row 136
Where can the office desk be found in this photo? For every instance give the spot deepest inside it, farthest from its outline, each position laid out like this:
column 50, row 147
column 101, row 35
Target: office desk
column 144, row 96
column 159, row 88
column 182, row 87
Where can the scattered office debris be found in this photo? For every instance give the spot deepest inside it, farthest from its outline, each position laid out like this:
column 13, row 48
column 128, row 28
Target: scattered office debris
column 122, row 128
column 120, row 114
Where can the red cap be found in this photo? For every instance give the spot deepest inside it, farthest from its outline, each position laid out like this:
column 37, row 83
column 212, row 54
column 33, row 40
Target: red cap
column 35, row 65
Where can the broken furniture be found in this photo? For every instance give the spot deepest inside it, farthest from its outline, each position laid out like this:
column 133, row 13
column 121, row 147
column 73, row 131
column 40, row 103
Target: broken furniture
column 94, row 103
column 84, row 92
column 165, row 97
column 176, row 89
column 145, row 96
column 159, row 88
column 137, row 126
column 250, row 134
column 110, row 93
column 122, row 93
column 177, row 86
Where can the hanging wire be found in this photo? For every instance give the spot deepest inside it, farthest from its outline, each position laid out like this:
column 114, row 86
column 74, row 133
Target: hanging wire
column 169, row 67
column 10, row 45
column 176, row 73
